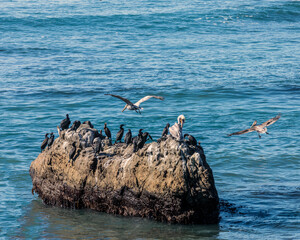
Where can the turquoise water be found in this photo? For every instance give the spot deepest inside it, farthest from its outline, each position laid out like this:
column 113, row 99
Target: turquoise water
column 223, row 64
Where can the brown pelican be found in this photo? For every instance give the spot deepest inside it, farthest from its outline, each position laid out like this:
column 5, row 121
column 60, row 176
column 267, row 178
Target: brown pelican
column 136, row 106
column 176, row 129
column 262, row 128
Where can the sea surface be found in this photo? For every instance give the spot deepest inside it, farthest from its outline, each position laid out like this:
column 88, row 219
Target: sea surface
column 221, row 63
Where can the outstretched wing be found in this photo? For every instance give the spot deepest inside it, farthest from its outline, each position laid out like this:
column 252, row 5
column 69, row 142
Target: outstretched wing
column 270, row 121
column 241, row 132
column 254, row 123
column 146, row 98
column 124, row 99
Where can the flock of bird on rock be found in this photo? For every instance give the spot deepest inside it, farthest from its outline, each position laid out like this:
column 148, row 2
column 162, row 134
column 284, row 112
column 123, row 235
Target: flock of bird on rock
column 142, row 137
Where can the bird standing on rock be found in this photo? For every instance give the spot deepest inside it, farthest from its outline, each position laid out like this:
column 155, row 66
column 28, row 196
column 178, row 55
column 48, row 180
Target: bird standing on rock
column 107, row 131
column 166, row 130
column 50, row 140
column 191, row 140
column 134, row 106
column 128, row 137
column 120, row 134
column 72, row 152
column 64, row 124
column 75, row 125
column 176, row 129
column 144, row 139
column 45, row 142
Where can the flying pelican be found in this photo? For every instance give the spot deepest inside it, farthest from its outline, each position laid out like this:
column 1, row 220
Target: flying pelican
column 176, row 129
column 262, row 128
column 136, row 106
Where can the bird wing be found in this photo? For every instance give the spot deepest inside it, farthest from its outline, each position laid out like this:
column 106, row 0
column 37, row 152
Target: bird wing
column 254, row 123
column 124, row 99
column 270, row 121
column 242, row 132
column 176, row 132
column 146, row 98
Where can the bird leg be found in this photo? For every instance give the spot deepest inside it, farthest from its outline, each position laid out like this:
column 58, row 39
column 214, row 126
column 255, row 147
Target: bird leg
column 259, row 136
column 267, row 133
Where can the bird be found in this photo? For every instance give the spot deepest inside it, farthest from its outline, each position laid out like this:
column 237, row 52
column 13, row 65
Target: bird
column 120, row 133
column 107, row 131
column 75, row 125
column 128, row 137
column 45, row 142
column 176, row 129
column 72, row 152
column 260, row 129
column 192, row 140
column 64, row 124
column 88, row 123
column 166, row 130
column 143, row 139
column 134, row 106
column 50, row 140
column 136, row 140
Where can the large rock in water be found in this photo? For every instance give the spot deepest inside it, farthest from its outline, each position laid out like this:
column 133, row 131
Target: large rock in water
column 166, row 181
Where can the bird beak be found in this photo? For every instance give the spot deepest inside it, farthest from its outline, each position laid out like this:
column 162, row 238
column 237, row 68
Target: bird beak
column 124, row 107
column 181, row 122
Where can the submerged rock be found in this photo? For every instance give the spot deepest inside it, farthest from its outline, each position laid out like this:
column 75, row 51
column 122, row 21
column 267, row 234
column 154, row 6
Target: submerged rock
column 166, row 181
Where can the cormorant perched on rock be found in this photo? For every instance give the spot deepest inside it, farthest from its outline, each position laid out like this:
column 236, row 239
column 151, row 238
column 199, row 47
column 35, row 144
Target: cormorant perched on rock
column 144, row 139
column 97, row 145
column 166, row 130
column 88, row 123
column 262, row 128
column 50, row 140
column 75, row 125
column 72, row 152
column 107, row 131
column 120, row 133
column 45, row 142
column 191, row 140
column 64, row 124
column 138, row 137
column 176, row 129
column 136, row 106
column 128, row 137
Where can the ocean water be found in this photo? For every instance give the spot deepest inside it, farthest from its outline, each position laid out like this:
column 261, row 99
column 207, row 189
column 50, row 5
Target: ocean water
column 223, row 64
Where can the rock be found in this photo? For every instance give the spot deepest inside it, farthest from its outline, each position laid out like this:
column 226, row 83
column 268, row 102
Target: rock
column 167, row 181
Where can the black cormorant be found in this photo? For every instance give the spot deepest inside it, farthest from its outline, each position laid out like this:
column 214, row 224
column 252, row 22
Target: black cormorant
column 120, row 133
column 106, row 130
column 191, row 140
column 50, row 140
column 45, row 142
column 75, row 125
column 166, row 130
column 128, row 137
column 64, row 124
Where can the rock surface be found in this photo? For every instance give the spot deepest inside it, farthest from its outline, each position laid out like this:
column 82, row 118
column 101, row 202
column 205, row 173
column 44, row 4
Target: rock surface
column 166, row 181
